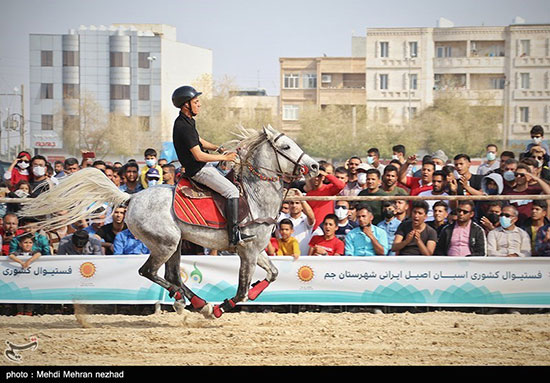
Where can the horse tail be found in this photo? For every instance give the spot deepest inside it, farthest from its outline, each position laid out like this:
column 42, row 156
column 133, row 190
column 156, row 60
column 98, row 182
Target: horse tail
column 77, row 197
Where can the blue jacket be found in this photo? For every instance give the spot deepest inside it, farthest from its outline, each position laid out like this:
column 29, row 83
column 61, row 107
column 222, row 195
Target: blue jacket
column 126, row 243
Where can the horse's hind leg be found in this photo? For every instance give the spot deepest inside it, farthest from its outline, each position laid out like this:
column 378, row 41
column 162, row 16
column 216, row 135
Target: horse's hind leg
column 257, row 287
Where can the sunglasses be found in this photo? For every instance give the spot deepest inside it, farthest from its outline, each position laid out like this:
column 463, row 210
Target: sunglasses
column 463, row 211
column 519, row 174
column 507, row 215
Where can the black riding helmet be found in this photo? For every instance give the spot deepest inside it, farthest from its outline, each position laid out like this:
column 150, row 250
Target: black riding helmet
column 184, row 94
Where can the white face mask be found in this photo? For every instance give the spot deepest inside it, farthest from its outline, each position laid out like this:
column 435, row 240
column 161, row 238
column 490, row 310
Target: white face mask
column 537, row 140
column 152, row 182
column 491, row 156
column 39, row 171
column 151, row 162
column 395, row 157
column 370, row 160
column 361, row 178
column 23, row 165
column 341, row 212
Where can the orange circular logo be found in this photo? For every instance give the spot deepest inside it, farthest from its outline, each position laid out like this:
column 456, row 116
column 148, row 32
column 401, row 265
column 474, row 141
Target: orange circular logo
column 305, row 273
column 87, row 269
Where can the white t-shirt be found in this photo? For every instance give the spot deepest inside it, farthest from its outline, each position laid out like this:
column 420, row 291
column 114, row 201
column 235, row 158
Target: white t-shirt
column 431, row 203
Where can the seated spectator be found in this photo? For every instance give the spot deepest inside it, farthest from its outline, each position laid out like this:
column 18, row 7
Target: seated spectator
column 367, row 239
column 25, row 247
column 317, row 187
column 463, row 238
column 126, row 243
column 303, row 220
column 508, row 240
column 491, row 161
column 440, row 212
column 287, row 244
column 390, row 223
column 9, row 230
column 328, row 243
column 18, row 170
column 131, row 182
column 490, row 219
column 373, row 188
column 345, row 225
column 414, row 236
column 537, row 220
column 79, row 243
column 108, row 232
column 41, row 244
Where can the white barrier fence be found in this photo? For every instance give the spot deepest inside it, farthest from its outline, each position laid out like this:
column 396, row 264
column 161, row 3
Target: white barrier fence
column 381, row 281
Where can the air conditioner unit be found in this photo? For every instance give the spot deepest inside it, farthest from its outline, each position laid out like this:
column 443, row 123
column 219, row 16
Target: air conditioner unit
column 326, row 78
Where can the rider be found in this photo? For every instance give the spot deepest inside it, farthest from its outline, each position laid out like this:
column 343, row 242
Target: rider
column 192, row 152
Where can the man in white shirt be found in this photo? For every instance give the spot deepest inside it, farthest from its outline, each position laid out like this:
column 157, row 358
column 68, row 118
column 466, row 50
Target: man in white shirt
column 303, row 220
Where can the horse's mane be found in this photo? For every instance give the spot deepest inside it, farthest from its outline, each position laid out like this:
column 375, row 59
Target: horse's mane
column 248, row 141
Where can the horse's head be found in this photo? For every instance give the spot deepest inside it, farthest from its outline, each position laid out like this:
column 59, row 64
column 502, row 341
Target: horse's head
column 291, row 159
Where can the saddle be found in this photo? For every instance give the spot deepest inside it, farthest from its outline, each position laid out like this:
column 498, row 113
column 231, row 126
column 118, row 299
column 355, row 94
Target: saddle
column 199, row 205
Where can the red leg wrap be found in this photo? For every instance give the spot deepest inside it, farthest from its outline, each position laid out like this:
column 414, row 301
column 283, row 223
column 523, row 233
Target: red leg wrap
column 217, row 311
column 197, row 302
column 257, row 289
column 177, row 296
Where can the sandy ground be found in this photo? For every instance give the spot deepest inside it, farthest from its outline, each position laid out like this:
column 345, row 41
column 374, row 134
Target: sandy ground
column 281, row 339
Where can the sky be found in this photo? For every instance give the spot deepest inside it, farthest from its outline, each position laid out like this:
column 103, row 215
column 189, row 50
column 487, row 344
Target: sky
column 247, row 37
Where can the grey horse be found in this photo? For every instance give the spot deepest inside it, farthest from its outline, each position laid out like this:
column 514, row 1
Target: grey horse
column 266, row 158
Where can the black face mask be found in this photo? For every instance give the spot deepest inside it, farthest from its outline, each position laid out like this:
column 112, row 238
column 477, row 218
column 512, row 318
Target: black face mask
column 492, row 217
column 389, row 213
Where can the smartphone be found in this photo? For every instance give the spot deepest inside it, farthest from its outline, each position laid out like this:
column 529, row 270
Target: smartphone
column 87, row 155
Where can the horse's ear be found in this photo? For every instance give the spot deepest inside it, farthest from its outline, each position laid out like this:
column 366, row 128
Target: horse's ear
column 268, row 132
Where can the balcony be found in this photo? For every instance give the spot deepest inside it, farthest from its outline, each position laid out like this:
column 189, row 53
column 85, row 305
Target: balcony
column 471, row 64
column 529, row 61
column 342, row 96
column 533, row 95
column 493, row 97
column 393, row 95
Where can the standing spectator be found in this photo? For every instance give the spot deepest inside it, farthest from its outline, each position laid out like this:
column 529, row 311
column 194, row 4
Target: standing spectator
column 303, row 220
column 414, row 236
column 131, row 184
column 39, row 180
column 373, row 189
column 287, row 244
column 466, row 180
column 126, row 243
column 390, row 181
column 328, row 243
column 390, row 223
column 58, row 169
column 9, row 230
column 508, row 240
column 491, row 163
column 417, row 184
column 18, row 170
column 439, row 158
column 342, row 174
column 537, row 220
column 22, row 190
column 345, row 225
column 108, row 232
column 463, row 238
column 439, row 185
column 537, row 137
column 399, row 153
column 367, row 239
column 352, row 188
column 373, row 160
column 71, row 166
column 150, row 156
column 169, row 174
column 79, row 243
column 441, row 212
column 316, row 187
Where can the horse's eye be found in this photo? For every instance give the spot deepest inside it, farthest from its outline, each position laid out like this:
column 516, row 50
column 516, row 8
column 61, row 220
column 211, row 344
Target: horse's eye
column 285, row 147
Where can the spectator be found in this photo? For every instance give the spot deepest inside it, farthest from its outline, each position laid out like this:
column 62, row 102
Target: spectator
column 361, row 177
column 79, row 243
column 373, row 189
column 131, row 183
column 401, row 209
column 439, row 185
column 9, row 230
column 439, row 158
column 399, row 153
column 109, row 172
column 491, row 162
column 150, row 156
column 352, row 188
column 71, row 166
column 328, row 243
column 345, row 225
column 537, row 137
column 540, row 158
column 490, row 219
column 58, row 169
column 126, row 243
column 463, row 238
column 468, row 183
column 373, row 160
column 303, row 220
column 169, row 174
column 22, row 190
column 108, row 232
column 100, row 164
column 95, row 224
column 287, row 244
column 508, row 240
column 440, row 213
column 390, row 223
column 417, row 184
column 39, row 180
column 152, row 177
column 367, row 239
column 41, row 243
column 414, row 236
column 537, row 220
column 341, row 173
column 390, row 181
column 25, row 247
column 316, row 187
column 508, row 173
column 18, row 170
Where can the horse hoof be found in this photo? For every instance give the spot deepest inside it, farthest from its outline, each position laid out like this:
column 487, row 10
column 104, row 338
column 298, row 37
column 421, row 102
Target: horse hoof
column 207, row 311
column 179, row 307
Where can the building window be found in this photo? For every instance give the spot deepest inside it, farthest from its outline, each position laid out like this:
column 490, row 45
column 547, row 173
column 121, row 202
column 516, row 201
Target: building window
column 71, row 58
column 525, row 81
column 383, row 81
column 46, row 91
column 143, row 61
column 384, row 49
column 144, row 94
column 290, row 112
column 524, row 114
column 120, row 59
column 525, row 48
column 71, row 91
column 310, row 81
column 413, row 81
column 46, row 58
column 47, row 122
column 498, row 83
column 291, row 81
column 413, row 49
column 120, row 92
column 444, row 52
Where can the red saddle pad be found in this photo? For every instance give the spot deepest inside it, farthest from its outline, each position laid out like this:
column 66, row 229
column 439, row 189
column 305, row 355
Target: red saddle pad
column 200, row 210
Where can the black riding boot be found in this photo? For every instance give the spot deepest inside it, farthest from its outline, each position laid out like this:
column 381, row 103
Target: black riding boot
column 232, row 217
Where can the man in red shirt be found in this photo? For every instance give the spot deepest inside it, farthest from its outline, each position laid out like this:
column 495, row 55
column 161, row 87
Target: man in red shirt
column 9, row 230
column 417, row 184
column 317, row 187
column 328, row 243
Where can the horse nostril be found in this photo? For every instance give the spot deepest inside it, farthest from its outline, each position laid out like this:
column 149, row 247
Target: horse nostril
column 314, row 167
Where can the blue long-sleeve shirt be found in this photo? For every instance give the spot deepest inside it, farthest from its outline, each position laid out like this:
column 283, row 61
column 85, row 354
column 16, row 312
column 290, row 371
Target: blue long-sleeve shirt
column 358, row 244
column 126, row 243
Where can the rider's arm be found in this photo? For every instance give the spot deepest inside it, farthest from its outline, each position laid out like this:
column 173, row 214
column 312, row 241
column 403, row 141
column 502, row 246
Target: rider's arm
column 208, row 145
column 207, row 157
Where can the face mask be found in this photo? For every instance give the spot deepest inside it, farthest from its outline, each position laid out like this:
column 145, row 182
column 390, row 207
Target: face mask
column 395, row 157
column 537, row 140
column 491, row 156
column 370, row 160
column 438, row 167
column 389, row 214
column 151, row 163
column 362, row 178
column 23, row 165
column 505, row 222
column 341, row 212
column 509, row 176
column 39, row 171
column 540, row 163
column 152, row 182
column 492, row 191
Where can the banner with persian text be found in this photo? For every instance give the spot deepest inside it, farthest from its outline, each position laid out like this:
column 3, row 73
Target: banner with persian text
column 380, row 281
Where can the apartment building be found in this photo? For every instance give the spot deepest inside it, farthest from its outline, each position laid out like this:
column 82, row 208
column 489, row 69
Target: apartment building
column 253, row 104
column 129, row 70
column 509, row 67
column 319, row 81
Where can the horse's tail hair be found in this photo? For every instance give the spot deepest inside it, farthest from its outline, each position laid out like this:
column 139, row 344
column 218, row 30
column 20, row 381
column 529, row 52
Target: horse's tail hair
column 79, row 196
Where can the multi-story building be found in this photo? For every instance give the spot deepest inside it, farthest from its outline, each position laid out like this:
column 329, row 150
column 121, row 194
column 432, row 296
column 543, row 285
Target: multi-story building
column 319, row 81
column 127, row 69
column 253, row 105
column 509, row 67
